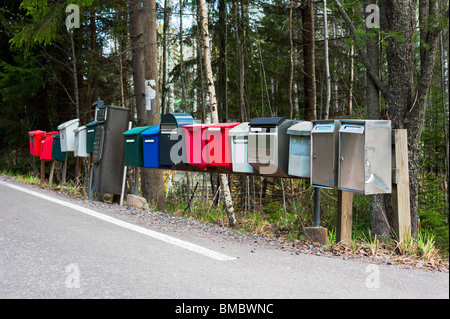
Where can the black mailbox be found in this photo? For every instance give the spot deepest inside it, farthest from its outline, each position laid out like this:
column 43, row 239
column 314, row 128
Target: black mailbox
column 171, row 141
column 108, row 152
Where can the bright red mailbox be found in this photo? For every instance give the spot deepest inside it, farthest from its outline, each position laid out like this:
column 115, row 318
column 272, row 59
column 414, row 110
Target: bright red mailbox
column 35, row 142
column 47, row 145
column 208, row 145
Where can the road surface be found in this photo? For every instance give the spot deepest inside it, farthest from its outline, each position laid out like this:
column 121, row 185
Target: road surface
column 53, row 248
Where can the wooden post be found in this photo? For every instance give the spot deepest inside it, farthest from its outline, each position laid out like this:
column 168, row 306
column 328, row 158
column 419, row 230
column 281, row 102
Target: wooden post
column 64, row 170
column 400, row 184
column 52, row 169
column 344, row 217
column 42, row 172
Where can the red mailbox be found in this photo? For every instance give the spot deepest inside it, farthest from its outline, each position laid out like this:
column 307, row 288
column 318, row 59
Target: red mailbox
column 35, row 142
column 195, row 144
column 47, row 145
column 208, row 145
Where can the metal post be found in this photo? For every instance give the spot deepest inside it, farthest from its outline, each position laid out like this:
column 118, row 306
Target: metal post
column 316, row 212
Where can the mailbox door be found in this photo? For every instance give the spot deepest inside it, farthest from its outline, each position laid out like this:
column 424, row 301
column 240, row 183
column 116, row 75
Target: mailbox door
column 324, row 141
column 98, row 143
column 352, row 154
column 300, row 156
column 169, row 138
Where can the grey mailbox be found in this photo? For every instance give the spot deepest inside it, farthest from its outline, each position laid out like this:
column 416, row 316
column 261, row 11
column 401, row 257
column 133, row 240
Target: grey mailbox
column 365, row 156
column 108, row 152
column 324, row 153
column 268, row 143
column 300, row 149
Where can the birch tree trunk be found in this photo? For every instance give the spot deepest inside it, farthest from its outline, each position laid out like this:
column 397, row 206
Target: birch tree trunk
column 214, row 112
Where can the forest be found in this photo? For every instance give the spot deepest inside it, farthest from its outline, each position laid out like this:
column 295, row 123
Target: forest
column 231, row 61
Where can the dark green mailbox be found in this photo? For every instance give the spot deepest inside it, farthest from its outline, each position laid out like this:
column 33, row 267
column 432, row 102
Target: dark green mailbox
column 57, row 154
column 133, row 146
column 90, row 136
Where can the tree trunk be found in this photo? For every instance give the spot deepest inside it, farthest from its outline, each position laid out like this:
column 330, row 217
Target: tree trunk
column 152, row 182
column 309, row 79
column 214, row 112
column 326, row 112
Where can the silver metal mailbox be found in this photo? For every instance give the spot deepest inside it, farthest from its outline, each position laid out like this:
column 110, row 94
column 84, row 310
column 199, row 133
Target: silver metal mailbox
column 365, row 156
column 239, row 148
column 268, row 145
column 300, row 149
column 324, row 153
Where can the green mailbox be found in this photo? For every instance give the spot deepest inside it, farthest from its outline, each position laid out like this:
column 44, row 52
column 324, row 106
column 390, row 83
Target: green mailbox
column 90, row 136
column 134, row 155
column 57, row 154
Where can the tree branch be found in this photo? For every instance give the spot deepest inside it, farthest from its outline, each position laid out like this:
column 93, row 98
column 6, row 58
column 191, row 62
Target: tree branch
column 365, row 59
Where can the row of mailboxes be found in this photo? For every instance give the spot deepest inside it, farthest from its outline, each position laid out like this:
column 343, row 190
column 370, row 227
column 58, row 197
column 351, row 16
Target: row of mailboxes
column 351, row 155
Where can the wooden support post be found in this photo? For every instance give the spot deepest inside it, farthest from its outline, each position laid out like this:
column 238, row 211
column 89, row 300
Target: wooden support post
column 52, row 170
column 42, row 172
column 64, row 170
column 344, row 217
column 400, row 184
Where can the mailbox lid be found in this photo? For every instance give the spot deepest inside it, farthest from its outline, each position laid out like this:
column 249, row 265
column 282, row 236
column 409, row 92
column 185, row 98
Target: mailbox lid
column 303, row 128
column 266, row 121
column 151, row 131
column 68, row 124
column 178, row 119
column 239, row 130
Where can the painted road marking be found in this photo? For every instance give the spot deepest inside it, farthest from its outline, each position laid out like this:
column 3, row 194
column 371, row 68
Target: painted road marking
column 163, row 237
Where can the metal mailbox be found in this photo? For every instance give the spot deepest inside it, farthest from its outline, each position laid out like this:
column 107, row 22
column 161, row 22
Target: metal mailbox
column 133, row 146
column 56, row 149
column 324, row 153
column 268, row 143
column 195, row 145
column 108, row 152
column 150, row 147
column 300, row 149
column 67, row 133
column 172, row 144
column 208, row 145
column 35, row 142
column 90, row 136
column 80, row 142
column 46, row 146
column 365, row 156
column 238, row 136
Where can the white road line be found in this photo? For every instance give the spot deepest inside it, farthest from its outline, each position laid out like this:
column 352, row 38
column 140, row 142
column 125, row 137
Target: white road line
column 168, row 239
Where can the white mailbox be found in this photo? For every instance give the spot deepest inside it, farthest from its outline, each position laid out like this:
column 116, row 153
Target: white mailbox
column 80, row 142
column 239, row 147
column 67, row 135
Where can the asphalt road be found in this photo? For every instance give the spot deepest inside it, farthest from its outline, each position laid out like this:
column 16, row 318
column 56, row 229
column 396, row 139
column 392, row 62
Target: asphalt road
column 52, row 250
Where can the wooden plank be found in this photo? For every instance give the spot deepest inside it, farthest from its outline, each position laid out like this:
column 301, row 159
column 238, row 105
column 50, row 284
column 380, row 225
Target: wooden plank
column 400, row 186
column 52, row 170
column 42, row 172
column 344, row 217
